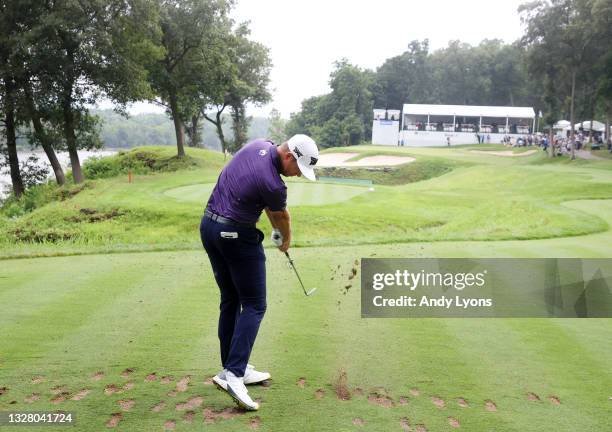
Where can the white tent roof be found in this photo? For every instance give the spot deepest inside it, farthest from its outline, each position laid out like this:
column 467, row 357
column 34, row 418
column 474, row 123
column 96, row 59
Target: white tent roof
column 561, row 124
column 469, row 110
column 586, row 125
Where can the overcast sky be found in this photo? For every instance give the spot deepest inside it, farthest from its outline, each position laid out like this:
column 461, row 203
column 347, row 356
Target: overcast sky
column 306, row 37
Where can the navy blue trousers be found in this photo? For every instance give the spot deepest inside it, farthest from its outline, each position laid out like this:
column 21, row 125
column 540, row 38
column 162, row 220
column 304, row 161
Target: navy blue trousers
column 239, row 264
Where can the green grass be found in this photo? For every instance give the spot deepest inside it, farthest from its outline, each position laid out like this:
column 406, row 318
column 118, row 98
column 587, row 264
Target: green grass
column 446, row 194
column 155, row 309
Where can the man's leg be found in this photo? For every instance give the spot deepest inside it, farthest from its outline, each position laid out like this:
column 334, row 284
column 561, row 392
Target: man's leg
column 249, row 277
column 229, row 307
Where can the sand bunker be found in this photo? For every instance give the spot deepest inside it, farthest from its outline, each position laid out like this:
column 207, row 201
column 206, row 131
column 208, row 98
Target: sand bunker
column 504, row 153
column 340, row 159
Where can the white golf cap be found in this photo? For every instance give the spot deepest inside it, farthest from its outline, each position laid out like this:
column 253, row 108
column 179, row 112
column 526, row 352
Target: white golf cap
column 305, row 151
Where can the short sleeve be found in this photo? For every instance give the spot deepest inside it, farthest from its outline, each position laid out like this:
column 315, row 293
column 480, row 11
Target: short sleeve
column 276, row 199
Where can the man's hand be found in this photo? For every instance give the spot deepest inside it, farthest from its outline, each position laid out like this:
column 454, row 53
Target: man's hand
column 277, row 237
column 281, row 222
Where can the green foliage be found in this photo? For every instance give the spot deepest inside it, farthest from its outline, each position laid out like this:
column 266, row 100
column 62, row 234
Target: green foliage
column 342, row 117
column 136, row 161
column 39, row 196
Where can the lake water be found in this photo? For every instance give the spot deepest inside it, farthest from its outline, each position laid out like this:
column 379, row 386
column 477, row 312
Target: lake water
column 64, row 158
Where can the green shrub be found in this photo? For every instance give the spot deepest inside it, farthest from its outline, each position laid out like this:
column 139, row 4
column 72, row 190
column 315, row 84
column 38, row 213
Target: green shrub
column 137, row 161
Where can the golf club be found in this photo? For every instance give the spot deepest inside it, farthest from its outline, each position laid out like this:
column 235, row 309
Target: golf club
column 307, row 293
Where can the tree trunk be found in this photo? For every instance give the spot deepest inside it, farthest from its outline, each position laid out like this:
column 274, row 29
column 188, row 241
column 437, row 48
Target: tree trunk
column 40, row 134
column 179, row 129
column 572, row 145
column 69, row 135
column 194, row 132
column 551, row 147
column 219, row 126
column 607, row 131
column 11, row 138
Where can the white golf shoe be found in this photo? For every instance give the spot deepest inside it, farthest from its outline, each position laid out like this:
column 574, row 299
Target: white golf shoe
column 237, row 390
column 251, row 376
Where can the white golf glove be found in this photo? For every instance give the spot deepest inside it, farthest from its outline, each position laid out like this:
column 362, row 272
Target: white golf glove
column 276, row 237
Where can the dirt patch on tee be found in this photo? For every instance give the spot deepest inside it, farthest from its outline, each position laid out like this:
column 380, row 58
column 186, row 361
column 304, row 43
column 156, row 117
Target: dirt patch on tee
column 438, row 402
column 38, row 379
column 415, row 392
column 490, row 406
column 3, row 390
column 159, row 406
column 554, row 400
column 533, row 397
column 60, row 398
column 358, row 421
column 254, row 423
column 183, row 383
column 380, row 397
column 81, row 394
column 32, row 398
column 405, row 424
column 111, row 389
column 209, row 381
column 151, row 377
column 420, row 428
column 114, row 420
column 341, row 386
column 192, row 403
column 172, row 393
column 58, row 389
column 403, row 400
column 463, row 403
column 453, row 422
column 128, row 385
column 210, row 415
column 358, row 391
column 127, row 372
column 301, row 382
column 319, row 394
column 188, row 417
column 169, row 425
column 167, row 379
column 97, row 376
column 127, row 404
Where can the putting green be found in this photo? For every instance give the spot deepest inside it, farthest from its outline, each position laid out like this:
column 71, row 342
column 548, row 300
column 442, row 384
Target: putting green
column 299, row 194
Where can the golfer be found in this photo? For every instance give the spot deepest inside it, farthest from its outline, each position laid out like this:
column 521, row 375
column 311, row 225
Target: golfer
column 249, row 184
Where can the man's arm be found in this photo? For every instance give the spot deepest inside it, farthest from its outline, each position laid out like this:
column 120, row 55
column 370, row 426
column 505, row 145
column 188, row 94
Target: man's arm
column 281, row 220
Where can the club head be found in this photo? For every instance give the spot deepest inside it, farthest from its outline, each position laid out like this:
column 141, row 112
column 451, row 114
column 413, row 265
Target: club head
column 311, row 291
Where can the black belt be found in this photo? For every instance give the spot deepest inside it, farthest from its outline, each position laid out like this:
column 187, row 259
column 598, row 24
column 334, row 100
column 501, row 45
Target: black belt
column 226, row 221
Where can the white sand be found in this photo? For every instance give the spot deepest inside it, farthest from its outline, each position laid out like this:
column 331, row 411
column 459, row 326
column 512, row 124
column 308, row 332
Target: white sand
column 381, row 161
column 504, row 153
column 334, row 159
column 339, row 160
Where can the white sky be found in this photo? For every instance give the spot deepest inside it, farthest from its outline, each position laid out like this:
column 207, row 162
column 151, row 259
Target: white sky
column 305, row 37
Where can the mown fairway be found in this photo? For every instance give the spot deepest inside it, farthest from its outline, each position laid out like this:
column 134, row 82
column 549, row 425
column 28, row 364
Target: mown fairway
column 65, row 318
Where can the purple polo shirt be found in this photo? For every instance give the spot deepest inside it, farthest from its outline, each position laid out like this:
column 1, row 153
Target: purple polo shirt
column 249, row 183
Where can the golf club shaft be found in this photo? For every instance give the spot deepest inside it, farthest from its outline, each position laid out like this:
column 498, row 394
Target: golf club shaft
column 296, row 272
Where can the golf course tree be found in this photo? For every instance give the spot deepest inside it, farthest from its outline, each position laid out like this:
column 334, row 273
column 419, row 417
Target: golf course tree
column 602, row 12
column 249, row 84
column 562, row 32
column 342, row 117
column 240, row 76
column 192, row 36
column 276, row 131
column 8, row 93
column 406, row 77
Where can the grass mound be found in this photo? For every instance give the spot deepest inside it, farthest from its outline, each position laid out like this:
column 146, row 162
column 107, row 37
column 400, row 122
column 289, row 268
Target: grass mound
column 409, row 173
column 138, row 161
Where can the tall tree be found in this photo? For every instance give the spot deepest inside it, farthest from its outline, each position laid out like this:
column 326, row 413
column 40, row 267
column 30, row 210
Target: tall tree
column 189, row 29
